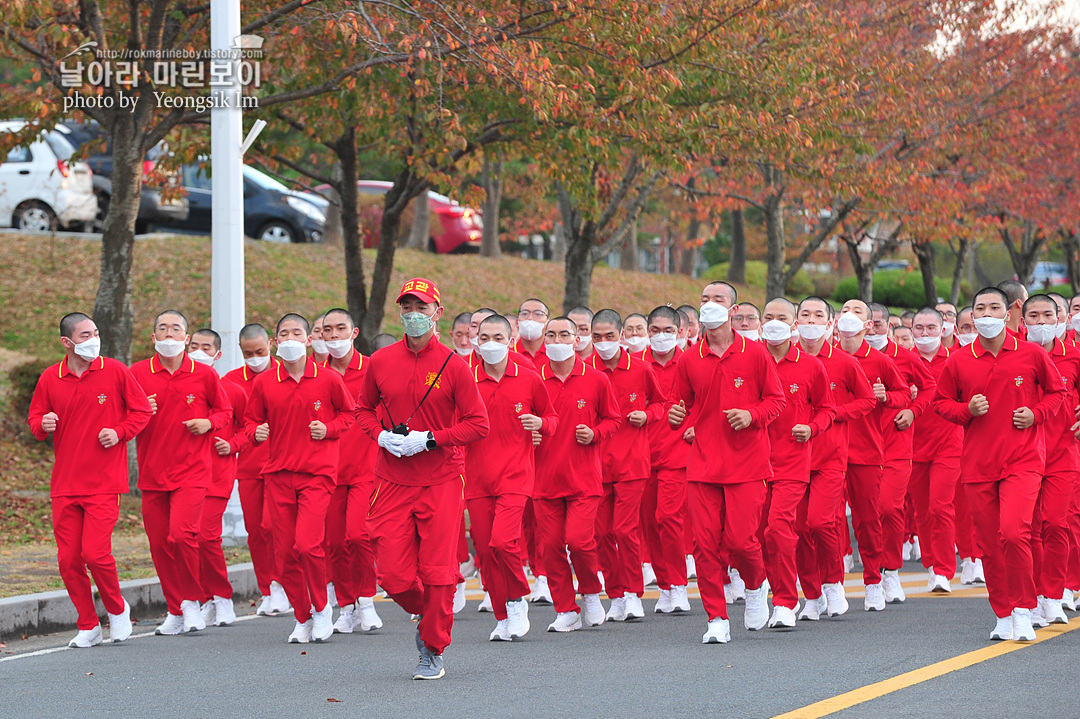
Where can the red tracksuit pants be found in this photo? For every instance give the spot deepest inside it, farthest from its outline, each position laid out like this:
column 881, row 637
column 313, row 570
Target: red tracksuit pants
column 531, row 547
column 83, row 529
column 1072, row 580
column 864, row 486
column 414, row 532
column 568, row 522
column 892, row 507
column 213, row 572
column 1003, row 513
column 352, row 559
column 819, row 555
column 664, row 501
column 172, row 520
column 259, row 539
column 933, row 489
column 618, row 537
column 298, row 504
column 495, row 524
column 728, row 515
column 1050, row 533
column 780, row 539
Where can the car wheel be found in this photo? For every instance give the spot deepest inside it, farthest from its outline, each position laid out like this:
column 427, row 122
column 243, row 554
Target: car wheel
column 141, row 227
column 34, row 215
column 98, row 223
column 277, row 232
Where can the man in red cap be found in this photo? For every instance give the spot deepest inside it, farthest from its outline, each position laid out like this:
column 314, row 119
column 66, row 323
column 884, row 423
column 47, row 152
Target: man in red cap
column 430, row 398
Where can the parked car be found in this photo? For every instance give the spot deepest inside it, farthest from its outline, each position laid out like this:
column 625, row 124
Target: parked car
column 41, row 188
column 454, row 228
column 272, row 212
column 155, row 207
column 1048, row 274
column 892, row 265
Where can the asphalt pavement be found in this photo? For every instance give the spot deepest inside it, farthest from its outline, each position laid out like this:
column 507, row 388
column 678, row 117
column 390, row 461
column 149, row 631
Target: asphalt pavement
column 656, row 667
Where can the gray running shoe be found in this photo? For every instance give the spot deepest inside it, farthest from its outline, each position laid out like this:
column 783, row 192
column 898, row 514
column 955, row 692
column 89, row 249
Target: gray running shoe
column 430, row 666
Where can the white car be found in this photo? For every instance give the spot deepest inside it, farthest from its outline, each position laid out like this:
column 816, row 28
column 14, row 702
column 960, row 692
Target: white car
column 41, row 188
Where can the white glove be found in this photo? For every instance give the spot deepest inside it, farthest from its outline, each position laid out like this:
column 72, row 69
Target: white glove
column 391, row 442
column 415, row 442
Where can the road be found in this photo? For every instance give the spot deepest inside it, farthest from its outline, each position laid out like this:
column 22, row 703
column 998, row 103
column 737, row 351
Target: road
column 929, row 656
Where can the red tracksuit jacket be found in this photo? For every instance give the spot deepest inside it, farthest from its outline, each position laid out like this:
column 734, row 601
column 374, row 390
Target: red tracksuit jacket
column 852, row 398
column 625, row 454
column 504, row 462
column 744, row 378
column 809, row 401
column 865, row 442
column 538, row 360
column 289, row 407
column 223, row 469
column 523, row 362
column 935, row 437
column 1022, row 375
column 668, row 450
column 252, row 457
column 565, row 468
column 106, row 396
column 356, row 451
column 169, row 455
column 396, row 381
column 1062, row 449
column 898, row 445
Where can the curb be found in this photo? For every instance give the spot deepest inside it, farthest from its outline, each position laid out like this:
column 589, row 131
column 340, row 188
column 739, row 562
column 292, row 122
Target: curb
column 30, row 614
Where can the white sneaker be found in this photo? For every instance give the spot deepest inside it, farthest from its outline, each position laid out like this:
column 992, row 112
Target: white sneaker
column 459, row 597
column 541, row 593
column 980, row 577
column 279, row 601
column 617, row 610
column 331, row 595
column 647, row 574
column 1022, row 631
column 593, row 614
column 208, row 612
column 264, row 606
column 173, row 625
column 940, row 584
column 890, row 584
column 1038, row 619
column 916, row 550
column 691, row 567
column 1002, row 630
column 485, row 606
column 756, row 615
column 738, row 586
column 718, row 632
column 1053, row 612
column 729, row 596
column 679, row 601
column 967, row 571
column 782, row 617
column 468, row 567
column 120, row 624
column 517, row 618
column 565, row 622
column 1068, row 600
column 301, row 633
column 813, row 609
column 346, row 620
column 500, row 633
column 663, row 604
column 634, row 609
column 87, row 638
column 193, row 621
column 905, row 552
column 224, row 612
column 874, row 599
column 600, row 576
column 849, row 563
column 835, row 599
column 322, row 624
column 369, row 618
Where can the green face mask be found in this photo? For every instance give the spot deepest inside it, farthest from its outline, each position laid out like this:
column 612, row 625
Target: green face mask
column 416, row 324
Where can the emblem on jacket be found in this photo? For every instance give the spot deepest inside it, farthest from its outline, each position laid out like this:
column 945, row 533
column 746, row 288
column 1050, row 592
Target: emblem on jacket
column 318, row 405
column 633, row 396
column 832, row 386
column 190, row 399
column 738, row 382
column 518, row 407
column 793, row 388
column 431, row 378
column 101, row 399
column 581, row 404
column 1019, row 380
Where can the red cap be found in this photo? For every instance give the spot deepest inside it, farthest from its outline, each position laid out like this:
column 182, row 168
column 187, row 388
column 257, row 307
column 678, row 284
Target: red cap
column 421, row 288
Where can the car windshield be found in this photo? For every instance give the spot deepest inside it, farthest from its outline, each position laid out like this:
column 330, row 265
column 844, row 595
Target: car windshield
column 59, row 145
column 263, row 180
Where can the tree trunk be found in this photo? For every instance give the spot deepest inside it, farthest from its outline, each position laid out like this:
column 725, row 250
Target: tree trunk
column 864, row 271
column 558, row 243
column 630, row 251
column 579, row 267
column 333, row 235
column 113, row 312
column 925, row 252
column 775, row 283
column 355, row 287
column 491, row 177
column 1026, row 256
column 736, row 272
column 420, row 233
column 688, row 253
column 963, row 254
column 1071, row 245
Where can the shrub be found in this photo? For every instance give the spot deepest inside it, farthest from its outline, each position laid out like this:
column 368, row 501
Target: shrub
column 800, row 286
column 893, row 288
column 22, row 379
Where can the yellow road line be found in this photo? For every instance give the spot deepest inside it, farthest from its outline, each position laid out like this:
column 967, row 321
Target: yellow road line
column 923, row 674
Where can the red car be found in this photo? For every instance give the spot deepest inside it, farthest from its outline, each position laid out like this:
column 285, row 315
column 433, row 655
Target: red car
column 453, row 228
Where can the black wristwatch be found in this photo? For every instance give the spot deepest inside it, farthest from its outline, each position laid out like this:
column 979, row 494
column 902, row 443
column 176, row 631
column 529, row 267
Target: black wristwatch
column 431, row 441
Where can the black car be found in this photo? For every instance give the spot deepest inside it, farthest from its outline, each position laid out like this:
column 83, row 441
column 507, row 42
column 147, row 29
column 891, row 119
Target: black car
column 272, row 212
column 154, row 209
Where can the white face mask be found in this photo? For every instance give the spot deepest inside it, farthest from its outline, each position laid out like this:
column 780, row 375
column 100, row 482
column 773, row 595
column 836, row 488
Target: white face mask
column 929, row 345
column 169, row 348
column 663, row 343
column 1041, row 334
column 337, row 348
column 1060, row 330
column 680, row 343
column 878, row 342
column 947, row 329
column 776, row 332
column 812, row 333
column 319, row 347
column 463, row 351
column 966, row 338
column 89, row 349
column 636, row 344
column 291, row 350
column 607, row 350
column 989, row 327
column 493, row 352
column 474, row 343
column 583, row 342
column 257, row 364
column 1074, row 323
column 558, row 352
column 530, row 330
column 712, row 315
column 849, row 324
column 752, row 335
column 201, row 357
